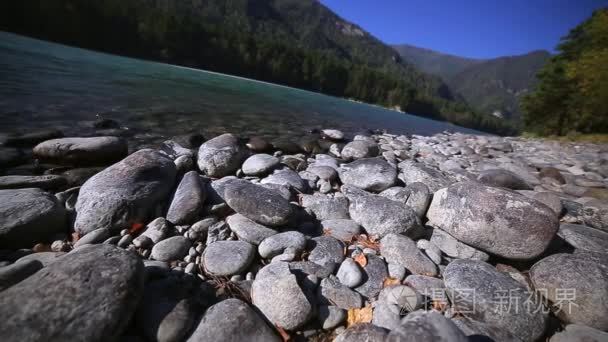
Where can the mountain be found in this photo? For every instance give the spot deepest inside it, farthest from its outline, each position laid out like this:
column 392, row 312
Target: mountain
column 299, row 43
column 492, row 86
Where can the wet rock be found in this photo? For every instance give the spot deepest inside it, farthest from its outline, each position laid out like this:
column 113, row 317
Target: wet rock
column 370, row 174
column 14, row 273
column 486, row 302
column 381, row 216
column 454, row 248
column 374, row 274
column 401, row 250
column 173, row 248
column 427, row 326
column 28, row 216
column 494, row 220
column 232, row 320
column 503, row 179
column 578, row 283
column 326, row 207
column 349, row 273
column 188, row 200
column 326, row 251
column 224, row 258
column 584, row 238
column 332, row 292
column 258, row 144
column 260, row 204
column 82, row 151
column 247, row 230
column 359, row 149
column 62, row 301
column 341, row 229
column 47, row 182
column 221, row 156
column 276, row 244
column 259, row 164
column 363, row 332
column 124, row 193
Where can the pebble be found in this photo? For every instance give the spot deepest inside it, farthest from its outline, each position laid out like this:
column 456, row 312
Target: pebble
column 331, row 291
column 224, row 258
column 260, row 204
column 370, row 174
column 173, row 248
column 401, row 250
column 326, row 251
column 331, row 316
column 276, row 244
column 221, row 156
column 349, row 273
column 259, row 164
column 248, row 230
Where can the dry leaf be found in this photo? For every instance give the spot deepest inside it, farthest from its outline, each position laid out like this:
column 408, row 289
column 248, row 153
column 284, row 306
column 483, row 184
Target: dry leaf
column 326, row 231
column 388, row 281
column 284, row 334
column 135, row 227
column 75, row 237
column 356, row 316
column 367, row 242
column 361, row 259
column 439, row 305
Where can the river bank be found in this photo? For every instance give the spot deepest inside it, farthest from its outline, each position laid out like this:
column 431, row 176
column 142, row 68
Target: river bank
column 378, row 237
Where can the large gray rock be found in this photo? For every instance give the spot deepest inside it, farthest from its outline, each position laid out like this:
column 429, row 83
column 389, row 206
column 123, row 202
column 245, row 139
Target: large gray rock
column 125, row 193
column 326, row 207
column 428, row 326
column 503, row 179
column 583, row 237
column 82, row 151
column 416, row 196
column 370, row 174
column 14, row 273
column 412, row 172
column 579, row 333
column 359, row 149
column 88, row 295
column 494, row 220
column 287, row 177
column 381, row 216
column 188, row 200
column 221, row 156
column 326, row 251
column 401, row 250
column 260, row 204
column 480, row 292
column 225, row 258
column 578, row 283
column 248, row 230
column 259, row 164
column 232, row 320
column 29, row 216
column 454, row 248
column 46, row 182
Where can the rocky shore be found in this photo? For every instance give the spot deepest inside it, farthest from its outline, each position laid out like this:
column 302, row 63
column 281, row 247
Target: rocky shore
column 381, row 237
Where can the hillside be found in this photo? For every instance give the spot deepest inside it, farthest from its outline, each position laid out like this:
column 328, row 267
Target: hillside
column 490, row 86
column 299, row 43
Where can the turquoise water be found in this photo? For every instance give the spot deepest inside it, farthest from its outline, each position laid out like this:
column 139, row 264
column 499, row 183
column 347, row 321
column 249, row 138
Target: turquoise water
column 47, row 85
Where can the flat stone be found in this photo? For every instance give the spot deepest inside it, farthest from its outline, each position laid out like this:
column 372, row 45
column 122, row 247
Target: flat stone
column 582, row 278
column 29, row 216
column 262, row 205
column 401, row 250
column 349, row 273
column 341, row 229
column 583, row 237
column 221, row 156
column 326, row 251
column 225, row 258
column 259, row 164
column 46, row 182
column 374, row 274
column 326, row 207
column 478, row 290
column 188, row 200
column 331, row 291
column 427, row 326
column 125, row 193
column 82, row 151
column 173, row 248
column 62, row 301
column 370, row 174
column 454, row 248
column 276, row 244
column 494, row 220
column 248, row 230
column 380, row 216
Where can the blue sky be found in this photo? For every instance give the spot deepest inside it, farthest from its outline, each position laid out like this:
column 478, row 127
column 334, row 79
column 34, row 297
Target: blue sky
column 470, row 28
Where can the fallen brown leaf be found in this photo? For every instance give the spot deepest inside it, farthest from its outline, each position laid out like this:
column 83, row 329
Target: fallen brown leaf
column 356, row 316
column 75, row 237
column 361, row 259
column 135, row 227
column 388, row 281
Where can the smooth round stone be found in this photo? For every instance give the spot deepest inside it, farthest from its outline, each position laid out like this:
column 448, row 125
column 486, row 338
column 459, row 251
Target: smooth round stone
column 248, row 230
column 341, row 229
column 276, row 244
column 583, row 237
column 232, row 320
column 155, row 231
column 225, row 258
column 387, row 316
column 221, row 156
column 188, row 199
column 396, row 271
column 370, row 174
column 380, row 216
column 359, row 149
column 413, row 172
column 427, row 326
column 374, row 274
column 401, row 250
column 173, row 248
column 349, row 273
column 259, row 164
column 331, row 316
column 82, row 151
column 332, row 292
column 326, row 251
column 333, row 134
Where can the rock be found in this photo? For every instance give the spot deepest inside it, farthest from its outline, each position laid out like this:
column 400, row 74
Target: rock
column 550, row 200
column 480, row 331
column 401, row 250
column 45, row 258
column 184, row 164
column 404, row 297
column 349, row 273
column 331, row 316
column 553, row 173
column 341, row 229
column 595, row 214
column 499, row 178
column 579, row 333
column 32, row 138
column 260, row 204
column 281, row 300
column 323, row 172
column 259, row 164
column 155, row 231
column 63, row 301
column 326, row 251
column 359, row 149
column 494, row 220
column 173, row 248
column 305, row 268
column 454, row 248
column 124, row 193
column 326, row 207
column 396, row 271
column 220, row 156
column 247, row 230
column 47, row 182
column 363, row 332
column 29, row 216
column 96, row 236
column 578, row 284
column 332, row 292
column 370, row 174
column 276, row 244
column 14, row 273
column 225, row 258
column 427, row 326
column 82, row 151
column 188, row 200
column 381, row 216
column 427, row 286
column 583, row 237
column 387, row 316
column 78, row 176
column 288, row 178
column 416, row 196
column 333, row 134
column 232, row 320
column 412, row 172
column 497, row 299
column 174, row 150
column 166, row 313
column 374, row 274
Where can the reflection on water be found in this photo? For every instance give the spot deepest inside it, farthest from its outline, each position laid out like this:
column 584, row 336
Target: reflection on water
column 46, row 85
